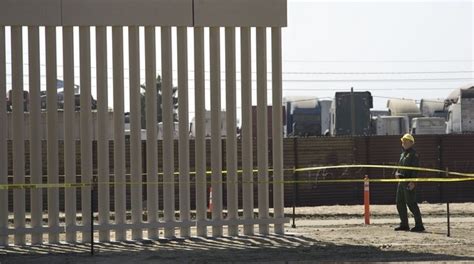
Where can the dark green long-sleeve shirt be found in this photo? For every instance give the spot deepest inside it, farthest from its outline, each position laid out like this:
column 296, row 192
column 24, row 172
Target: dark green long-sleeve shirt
column 408, row 158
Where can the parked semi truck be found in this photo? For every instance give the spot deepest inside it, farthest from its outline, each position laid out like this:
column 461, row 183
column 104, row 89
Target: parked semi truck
column 391, row 125
column 350, row 113
column 433, row 108
column 207, row 125
column 325, row 116
column 460, row 105
column 303, row 116
column 428, row 126
column 404, row 107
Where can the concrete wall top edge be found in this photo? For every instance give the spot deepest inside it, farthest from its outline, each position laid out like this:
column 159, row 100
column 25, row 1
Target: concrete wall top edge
column 203, row 13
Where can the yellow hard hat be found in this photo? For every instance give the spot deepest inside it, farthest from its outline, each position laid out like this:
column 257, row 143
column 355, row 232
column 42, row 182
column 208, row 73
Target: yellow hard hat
column 408, row 137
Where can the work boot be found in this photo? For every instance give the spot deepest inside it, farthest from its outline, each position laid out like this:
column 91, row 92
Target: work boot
column 402, row 228
column 418, row 229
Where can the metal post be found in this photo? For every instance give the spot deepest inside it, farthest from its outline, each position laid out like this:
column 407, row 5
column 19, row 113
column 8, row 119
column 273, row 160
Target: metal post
column 35, row 137
column 262, row 129
column 85, row 122
column 200, row 141
column 93, row 198
column 3, row 142
column 353, row 115
column 277, row 133
column 448, row 215
column 168, row 123
column 216, row 141
column 440, row 164
column 52, row 130
column 135, row 125
column 69, row 140
column 119, row 139
column 18, row 131
column 247, row 152
column 103, row 194
column 231, row 140
column 295, row 178
column 151, row 120
column 184, row 187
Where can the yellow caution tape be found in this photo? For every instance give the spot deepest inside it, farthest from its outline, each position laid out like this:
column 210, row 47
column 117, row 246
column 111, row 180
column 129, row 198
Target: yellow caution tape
column 383, row 180
column 345, row 166
column 465, row 177
column 384, row 167
column 76, row 185
column 42, row 185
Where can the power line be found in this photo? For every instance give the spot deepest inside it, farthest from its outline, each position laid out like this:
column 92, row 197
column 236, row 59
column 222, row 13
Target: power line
column 377, row 61
column 326, row 80
column 375, row 96
column 378, row 73
column 416, row 100
column 308, row 72
column 381, row 80
column 371, row 89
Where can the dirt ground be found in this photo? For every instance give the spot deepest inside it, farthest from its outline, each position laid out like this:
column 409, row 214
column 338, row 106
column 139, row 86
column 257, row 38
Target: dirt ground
column 325, row 233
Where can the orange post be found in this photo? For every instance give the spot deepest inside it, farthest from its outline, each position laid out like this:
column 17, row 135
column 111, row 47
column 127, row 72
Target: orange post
column 366, row 200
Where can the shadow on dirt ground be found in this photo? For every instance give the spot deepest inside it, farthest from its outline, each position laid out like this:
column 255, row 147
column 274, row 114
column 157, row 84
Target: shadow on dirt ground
column 280, row 249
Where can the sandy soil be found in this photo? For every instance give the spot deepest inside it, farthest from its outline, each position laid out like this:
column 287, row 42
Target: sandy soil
column 329, row 233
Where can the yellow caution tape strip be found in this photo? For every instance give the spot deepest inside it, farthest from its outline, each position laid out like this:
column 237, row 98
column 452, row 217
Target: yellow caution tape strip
column 465, row 177
column 384, row 167
column 41, row 185
column 345, row 166
column 78, row 185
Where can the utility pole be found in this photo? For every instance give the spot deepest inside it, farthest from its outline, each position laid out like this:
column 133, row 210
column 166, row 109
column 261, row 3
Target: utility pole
column 353, row 114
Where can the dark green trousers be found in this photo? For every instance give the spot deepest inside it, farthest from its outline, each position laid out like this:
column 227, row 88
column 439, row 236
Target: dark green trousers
column 406, row 198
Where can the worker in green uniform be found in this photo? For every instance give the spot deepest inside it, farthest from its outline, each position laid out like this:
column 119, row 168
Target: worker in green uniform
column 406, row 191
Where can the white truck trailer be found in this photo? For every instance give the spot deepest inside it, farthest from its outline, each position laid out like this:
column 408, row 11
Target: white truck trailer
column 391, row 125
column 460, row 104
column 428, row 126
